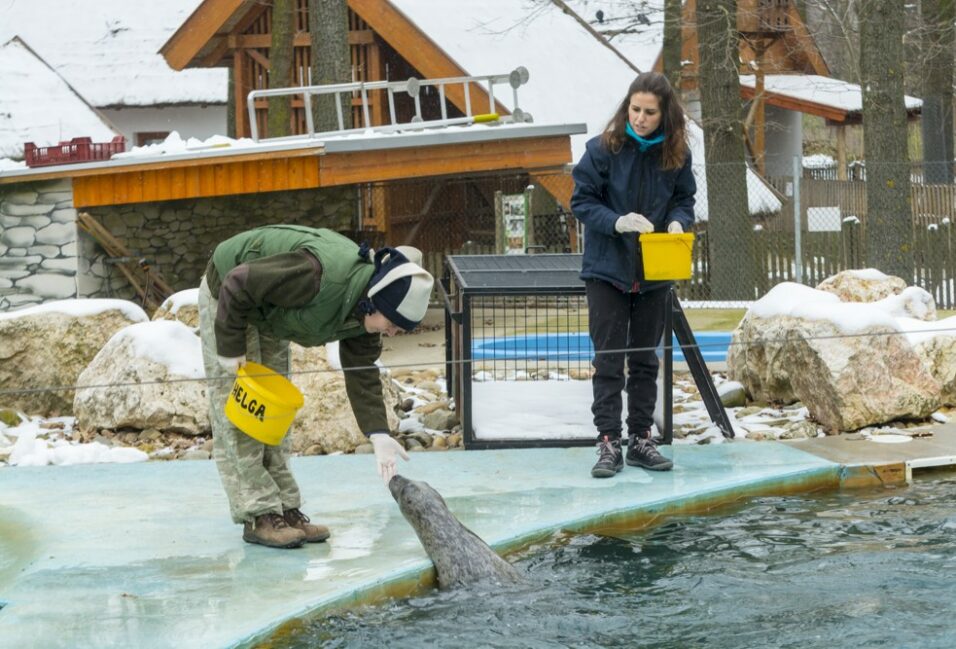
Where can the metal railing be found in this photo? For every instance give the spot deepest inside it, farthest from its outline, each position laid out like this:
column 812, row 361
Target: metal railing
column 412, row 87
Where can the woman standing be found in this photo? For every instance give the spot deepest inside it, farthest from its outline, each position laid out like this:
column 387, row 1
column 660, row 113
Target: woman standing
column 633, row 178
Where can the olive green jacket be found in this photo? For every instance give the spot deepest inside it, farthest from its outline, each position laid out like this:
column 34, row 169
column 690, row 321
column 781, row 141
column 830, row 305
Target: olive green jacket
column 303, row 285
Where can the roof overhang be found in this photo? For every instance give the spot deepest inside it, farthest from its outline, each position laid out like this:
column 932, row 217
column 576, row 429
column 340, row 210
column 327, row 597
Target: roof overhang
column 833, row 99
column 311, row 164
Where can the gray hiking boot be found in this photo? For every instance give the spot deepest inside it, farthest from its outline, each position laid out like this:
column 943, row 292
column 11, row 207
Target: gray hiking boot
column 273, row 531
column 313, row 533
column 642, row 452
column 610, row 460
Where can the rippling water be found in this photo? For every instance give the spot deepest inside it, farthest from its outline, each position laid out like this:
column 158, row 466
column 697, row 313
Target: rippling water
column 852, row 569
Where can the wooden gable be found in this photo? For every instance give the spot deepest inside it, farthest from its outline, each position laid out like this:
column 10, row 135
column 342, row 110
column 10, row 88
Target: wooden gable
column 773, row 40
column 383, row 42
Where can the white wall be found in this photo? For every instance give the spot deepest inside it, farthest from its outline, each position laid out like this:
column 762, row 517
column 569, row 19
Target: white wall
column 190, row 121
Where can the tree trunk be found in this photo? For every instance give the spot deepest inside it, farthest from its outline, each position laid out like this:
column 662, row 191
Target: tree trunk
column 280, row 67
column 331, row 61
column 732, row 262
column 937, row 79
column 889, row 229
column 671, row 50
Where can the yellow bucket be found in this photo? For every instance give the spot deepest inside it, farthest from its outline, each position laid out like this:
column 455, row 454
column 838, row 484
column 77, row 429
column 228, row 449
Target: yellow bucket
column 667, row 256
column 262, row 403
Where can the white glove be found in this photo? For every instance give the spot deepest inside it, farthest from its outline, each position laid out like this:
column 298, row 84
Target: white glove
column 386, row 449
column 232, row 365
column 633, row 222
column 675, row 228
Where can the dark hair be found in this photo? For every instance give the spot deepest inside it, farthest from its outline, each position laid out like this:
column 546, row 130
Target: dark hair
column 673, row 122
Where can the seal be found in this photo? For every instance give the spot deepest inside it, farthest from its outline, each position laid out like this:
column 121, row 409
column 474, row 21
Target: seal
column 460, row 556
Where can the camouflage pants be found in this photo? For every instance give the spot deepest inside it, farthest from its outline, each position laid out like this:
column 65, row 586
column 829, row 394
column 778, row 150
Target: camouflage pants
column 256, row 476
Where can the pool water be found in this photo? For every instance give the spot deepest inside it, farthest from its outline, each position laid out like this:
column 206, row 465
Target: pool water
column 577, row 346
column 850, row 569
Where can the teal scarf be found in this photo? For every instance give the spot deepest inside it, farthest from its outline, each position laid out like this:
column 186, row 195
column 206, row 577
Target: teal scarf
column 643, row 142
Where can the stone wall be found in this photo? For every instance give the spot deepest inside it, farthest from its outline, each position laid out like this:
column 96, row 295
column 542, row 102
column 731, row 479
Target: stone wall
column 44, row 257
column 177, row 237
column 38, row 243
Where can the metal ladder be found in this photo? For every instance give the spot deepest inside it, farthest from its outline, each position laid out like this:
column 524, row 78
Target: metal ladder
column 412, row 87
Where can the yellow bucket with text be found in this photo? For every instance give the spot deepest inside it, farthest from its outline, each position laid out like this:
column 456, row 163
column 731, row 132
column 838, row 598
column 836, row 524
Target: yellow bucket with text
column 262, row 403
column 667, row 256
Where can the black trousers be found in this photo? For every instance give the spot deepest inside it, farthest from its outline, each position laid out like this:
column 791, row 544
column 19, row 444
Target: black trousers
column 617, row 321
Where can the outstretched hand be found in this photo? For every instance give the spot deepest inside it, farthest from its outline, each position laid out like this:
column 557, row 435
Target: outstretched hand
column 386, row 450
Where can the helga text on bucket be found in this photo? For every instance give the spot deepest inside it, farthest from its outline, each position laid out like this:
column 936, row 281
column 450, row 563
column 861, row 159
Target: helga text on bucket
column 256, row 409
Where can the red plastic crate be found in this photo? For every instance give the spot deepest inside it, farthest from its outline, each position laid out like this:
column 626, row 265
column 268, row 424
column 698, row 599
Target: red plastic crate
column 79, row 149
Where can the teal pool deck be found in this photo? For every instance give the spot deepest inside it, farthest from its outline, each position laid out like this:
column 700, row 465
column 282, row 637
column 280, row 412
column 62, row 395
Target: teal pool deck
column 144, row 555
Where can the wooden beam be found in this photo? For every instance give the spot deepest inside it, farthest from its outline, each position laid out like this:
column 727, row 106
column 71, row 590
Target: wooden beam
column 801, row 36
column 421, row 52
column 216, row 179
column 305, row 169
column 155, row 289
column 186, row 43
column 258, row 57
column 443, row 160
column 217, row 55
column 300, row 39
column 800, row 105
column 240, row 90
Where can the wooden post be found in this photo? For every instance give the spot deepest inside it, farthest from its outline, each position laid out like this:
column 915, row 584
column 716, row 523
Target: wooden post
column 239, row 84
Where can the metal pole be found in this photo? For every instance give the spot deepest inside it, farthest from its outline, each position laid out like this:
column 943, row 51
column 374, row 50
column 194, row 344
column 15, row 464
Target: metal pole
column 797, row 247
column 307, row 103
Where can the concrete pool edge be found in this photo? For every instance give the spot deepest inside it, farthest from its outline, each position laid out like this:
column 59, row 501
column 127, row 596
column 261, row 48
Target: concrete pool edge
column 419, row 578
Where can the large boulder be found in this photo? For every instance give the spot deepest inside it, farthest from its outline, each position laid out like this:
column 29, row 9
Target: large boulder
column 326, row 423
column 935, row 343
column 182, row 306
column 862, row 285
column 848, row 363
column 49, row 345
column 153, row 377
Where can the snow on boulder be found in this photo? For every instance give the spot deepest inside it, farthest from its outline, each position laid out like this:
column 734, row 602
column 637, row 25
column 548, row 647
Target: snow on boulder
column 47, row 347
column 863, row 285
column 149, row 375
column 913, row 302
column 182, row 306
column 848, row 363
column 326, row 419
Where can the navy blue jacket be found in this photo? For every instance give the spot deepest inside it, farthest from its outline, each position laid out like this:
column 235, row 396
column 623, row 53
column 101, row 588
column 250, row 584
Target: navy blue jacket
column 608, row 185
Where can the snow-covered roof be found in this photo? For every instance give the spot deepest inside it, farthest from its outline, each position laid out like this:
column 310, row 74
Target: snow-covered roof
column 108, row 49
column 826, row 91
column 573, row 76
column 39, row 106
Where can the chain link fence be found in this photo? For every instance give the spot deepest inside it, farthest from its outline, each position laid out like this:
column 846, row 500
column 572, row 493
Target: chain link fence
column 737, row 257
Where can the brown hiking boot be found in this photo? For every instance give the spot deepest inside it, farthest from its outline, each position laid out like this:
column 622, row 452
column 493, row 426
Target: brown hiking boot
column 313, row 533
column 273, row 531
